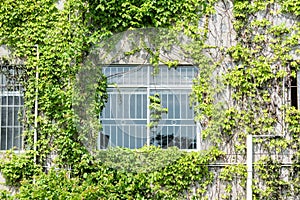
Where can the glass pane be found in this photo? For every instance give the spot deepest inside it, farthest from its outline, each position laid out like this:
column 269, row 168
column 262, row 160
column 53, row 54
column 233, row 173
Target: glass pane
column 10, row 137
column 3, row 138
column 17, row 138
column 4, row 100
column 16, row 116
column 3, row 116
column 10, row 100
column 10, row 114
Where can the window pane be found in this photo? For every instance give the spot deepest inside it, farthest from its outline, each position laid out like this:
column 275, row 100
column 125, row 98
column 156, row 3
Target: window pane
column 3, row 139
column 125, row 115
column 17, row 138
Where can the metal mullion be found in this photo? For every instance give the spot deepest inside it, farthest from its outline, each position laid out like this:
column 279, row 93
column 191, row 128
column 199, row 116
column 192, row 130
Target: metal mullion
column 136, row 106
column 128, row 105
column 13, row 117
column 173, row 103
column 180, row 105
column 18, row 122
column 181, row 113
column 186, row 108
column 123, row 107
column 186, row 99
column 142, row 110
column 13, row 121
column 1, row 106
column 6, row 121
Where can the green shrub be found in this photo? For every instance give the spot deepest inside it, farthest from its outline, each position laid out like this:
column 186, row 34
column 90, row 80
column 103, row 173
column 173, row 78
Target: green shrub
column 172, row 181
column 17, row 167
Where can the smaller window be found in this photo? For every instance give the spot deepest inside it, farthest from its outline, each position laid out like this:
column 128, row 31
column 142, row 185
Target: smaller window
column 11, row 103
column 293, row 91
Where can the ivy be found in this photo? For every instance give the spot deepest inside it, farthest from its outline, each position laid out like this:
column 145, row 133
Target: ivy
column 156, row 111
column 259, row 65
column 169, row 181
column 240, row 89
column 16, row 168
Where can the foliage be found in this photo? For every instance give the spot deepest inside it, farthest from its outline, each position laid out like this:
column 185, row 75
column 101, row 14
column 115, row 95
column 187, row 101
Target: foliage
column 54, row 41
column 271, row 181
column 171, row 181
column 15, row 168
column 156, row 111
column 231, row 173
column 245, row 91
column 251, row 74
column 4, row 194
column 51, row 42
column 110, row 16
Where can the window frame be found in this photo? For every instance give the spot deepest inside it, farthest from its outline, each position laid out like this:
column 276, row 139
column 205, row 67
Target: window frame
column 149, row 86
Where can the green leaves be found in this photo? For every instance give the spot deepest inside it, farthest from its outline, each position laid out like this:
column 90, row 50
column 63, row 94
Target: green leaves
column 156, row 111
column 291, row 6
column 113, row 17
column 230, row 100
column 255, row 70
column 170, row 181
column 16, row 168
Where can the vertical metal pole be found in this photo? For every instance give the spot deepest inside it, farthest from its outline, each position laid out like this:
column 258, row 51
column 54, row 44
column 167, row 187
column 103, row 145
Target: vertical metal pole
column 148, row 104
column 1, row 105
column 198, row 137
column 249, row 144
column 36, row 105
column 298, row 88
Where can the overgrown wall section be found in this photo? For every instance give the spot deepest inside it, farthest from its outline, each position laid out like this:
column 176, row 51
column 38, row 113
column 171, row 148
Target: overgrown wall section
column 254, row 51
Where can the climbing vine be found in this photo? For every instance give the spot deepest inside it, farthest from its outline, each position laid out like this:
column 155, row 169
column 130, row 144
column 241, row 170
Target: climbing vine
column 52, row 40
column 242, row 86
column 246, row 91
column 156, row 111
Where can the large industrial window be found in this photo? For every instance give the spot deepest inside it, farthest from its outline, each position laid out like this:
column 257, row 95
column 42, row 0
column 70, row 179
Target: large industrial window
column 127, row 114
column 11, row 103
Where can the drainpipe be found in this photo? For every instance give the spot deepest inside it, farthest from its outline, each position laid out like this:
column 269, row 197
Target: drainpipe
column 36, row 105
